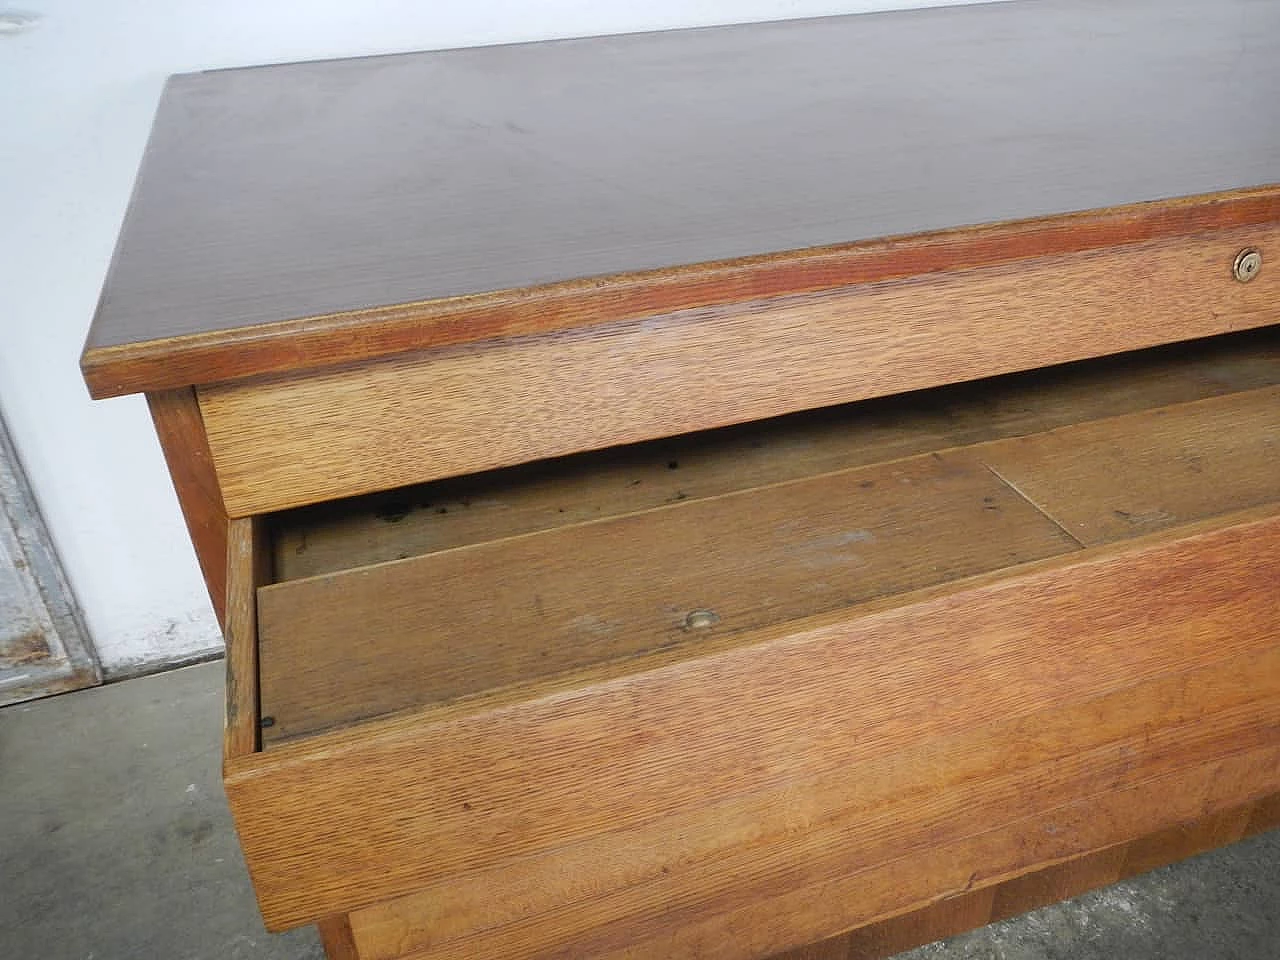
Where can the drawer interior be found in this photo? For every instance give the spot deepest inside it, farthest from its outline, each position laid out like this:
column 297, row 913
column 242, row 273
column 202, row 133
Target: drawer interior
column 524, row 578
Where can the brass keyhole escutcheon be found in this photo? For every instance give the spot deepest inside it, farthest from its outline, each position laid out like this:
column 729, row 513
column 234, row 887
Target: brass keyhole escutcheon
column 1248, row 263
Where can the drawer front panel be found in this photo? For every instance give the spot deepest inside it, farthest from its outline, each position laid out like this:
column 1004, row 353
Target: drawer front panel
column 293, row 440
column 759, row 774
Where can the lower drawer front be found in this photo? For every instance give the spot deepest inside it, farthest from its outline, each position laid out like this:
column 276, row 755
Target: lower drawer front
column 957, row 662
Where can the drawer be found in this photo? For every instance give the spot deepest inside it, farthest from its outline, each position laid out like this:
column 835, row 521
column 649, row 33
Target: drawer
column 736, row 691
column 294, row 439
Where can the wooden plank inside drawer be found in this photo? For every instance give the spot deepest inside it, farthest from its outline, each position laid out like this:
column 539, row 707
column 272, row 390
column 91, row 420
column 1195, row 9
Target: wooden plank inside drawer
column 290, row 440
column 1127, row 475
column 341, row 647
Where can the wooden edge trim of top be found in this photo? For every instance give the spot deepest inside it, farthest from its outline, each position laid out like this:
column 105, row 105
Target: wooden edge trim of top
column 329, row 339
column 248, row 567
column 180, row 427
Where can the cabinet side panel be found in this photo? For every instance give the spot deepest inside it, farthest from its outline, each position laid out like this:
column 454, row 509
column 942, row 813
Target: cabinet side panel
column 180, row 427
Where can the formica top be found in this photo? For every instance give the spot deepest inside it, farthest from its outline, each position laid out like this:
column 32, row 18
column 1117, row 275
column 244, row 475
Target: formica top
column 306, row 214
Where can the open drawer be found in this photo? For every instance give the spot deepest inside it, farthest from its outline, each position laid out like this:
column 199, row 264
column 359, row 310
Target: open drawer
column 732, row 692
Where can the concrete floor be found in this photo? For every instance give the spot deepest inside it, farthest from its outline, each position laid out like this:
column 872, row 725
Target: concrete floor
column 116, row 844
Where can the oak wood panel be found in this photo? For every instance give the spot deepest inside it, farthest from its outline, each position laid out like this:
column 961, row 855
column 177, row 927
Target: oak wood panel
column 248, row 567
column 1266, row 816
column 955, row 915
column 277, row 205
column 320, row 840
column 292, row 440
column 1122, row 476
column 835, row 948
column 335, row 936
column 942, row 919
column 1046, row 399
column 1185, row 840
column 1089, row 821
column 890, row 826
column 340, row 535
column 364, row 642
column 1059, row 882
column 178, row 423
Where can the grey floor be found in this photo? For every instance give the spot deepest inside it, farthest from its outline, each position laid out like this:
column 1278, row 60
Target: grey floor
column 115, row 842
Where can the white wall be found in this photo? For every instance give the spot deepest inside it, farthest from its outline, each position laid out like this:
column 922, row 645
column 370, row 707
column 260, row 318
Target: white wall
column 77, row 93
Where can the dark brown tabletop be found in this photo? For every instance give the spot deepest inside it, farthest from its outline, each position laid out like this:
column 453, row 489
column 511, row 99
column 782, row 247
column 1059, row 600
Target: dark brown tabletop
column 275, row 200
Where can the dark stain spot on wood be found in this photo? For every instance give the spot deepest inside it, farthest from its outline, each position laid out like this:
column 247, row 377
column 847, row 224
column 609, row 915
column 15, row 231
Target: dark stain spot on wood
column 673, row 464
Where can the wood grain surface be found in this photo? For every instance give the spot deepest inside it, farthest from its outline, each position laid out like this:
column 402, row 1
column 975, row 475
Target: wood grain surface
column 1266, row 816
column 722, row 874
column 953, row 914
column 1062, row 881
column 850, row 892
column 1161, row 659
column 1186, row 839
column 345, row 534
column 248, row 568
column 180, row 428
column 1122, row 476
column 308, row 214
column 337, row 939
column 943, row 918
column 292, row 440
column 369, row 641
column 958, row 914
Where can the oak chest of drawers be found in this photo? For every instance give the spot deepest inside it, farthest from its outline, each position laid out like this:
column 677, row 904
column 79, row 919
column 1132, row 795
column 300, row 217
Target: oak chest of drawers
column 713, row 492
